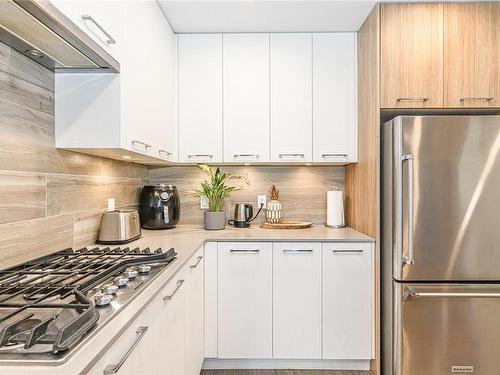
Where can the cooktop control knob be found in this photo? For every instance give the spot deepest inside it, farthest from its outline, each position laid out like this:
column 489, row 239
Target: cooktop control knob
column 120, row 281
column 109, row 289
column 102, row 299
column 144, row 268
column 130, row 274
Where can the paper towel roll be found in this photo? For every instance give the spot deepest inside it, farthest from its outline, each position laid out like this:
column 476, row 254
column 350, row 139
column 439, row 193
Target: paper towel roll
column 335, row 209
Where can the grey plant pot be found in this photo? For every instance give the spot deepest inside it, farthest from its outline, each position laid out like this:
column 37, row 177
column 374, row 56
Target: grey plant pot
column 214, row 220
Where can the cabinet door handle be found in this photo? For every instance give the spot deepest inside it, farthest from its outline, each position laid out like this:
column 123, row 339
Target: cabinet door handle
column 114, row 368
column 168, row 153
column 146, row 145
column 347, row 251
column 210, row 156
column 256, row 156
column 334, row 155
column 485, row 98
column 250, row 251
column 282, row 156
column 196, row 264
column 298, row 250
column 413, row 99
column 179, row 284
column 87, row 17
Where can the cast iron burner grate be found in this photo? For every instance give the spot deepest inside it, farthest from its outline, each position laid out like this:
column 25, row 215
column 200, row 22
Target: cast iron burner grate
column 44, row 301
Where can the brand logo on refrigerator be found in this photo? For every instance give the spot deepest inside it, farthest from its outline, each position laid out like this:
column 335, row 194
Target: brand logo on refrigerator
column 462, row 369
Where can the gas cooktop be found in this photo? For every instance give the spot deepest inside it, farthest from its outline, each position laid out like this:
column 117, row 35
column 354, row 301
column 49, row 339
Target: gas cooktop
column 49, row 304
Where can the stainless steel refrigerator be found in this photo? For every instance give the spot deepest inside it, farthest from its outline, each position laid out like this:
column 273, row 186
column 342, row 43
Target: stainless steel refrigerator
column 441, row 245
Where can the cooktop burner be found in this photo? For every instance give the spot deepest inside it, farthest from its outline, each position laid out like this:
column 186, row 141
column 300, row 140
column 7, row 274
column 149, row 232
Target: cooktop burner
column 47, row 305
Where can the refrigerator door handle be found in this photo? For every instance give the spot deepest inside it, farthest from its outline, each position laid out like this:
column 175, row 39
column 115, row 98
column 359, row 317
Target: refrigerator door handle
column 410, row 259
column 412, row 294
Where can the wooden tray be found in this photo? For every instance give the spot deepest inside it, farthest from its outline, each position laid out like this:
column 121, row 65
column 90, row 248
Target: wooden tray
column 287, row 224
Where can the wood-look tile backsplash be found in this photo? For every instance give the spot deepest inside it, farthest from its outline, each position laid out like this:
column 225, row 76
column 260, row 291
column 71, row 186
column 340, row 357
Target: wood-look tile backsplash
column 49, row 199
column 302, row 189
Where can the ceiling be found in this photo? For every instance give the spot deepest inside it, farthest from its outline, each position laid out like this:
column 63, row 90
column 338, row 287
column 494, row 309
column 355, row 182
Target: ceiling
column 233, row 16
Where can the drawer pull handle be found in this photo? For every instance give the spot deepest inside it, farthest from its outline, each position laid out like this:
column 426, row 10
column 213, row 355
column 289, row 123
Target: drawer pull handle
column 485, row 98
column 190, row 156
column 249, row 251
column 347, row 251
column 283, row 156
column 168, row 153
column 196, row 264
column 110, row 40
column 146, row 145
column 334, row 155
column 114, row 368
column 179, row 284
column 256, row 156
column 298, row 250
column 413, row 99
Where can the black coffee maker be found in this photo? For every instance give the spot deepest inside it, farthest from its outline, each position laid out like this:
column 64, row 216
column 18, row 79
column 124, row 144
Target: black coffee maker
column 159, row 207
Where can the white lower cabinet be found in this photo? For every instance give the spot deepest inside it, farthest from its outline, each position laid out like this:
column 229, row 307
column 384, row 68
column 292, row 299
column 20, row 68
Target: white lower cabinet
column 348, row 300
column 244, row 319
column 167, row 337
column 195, row 326
column 297, row 300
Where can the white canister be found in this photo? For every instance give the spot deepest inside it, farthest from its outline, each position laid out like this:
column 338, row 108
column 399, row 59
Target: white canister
column 335, row 209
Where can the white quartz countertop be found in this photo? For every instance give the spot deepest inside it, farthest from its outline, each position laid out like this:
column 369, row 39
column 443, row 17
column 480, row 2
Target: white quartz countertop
column 186, row 239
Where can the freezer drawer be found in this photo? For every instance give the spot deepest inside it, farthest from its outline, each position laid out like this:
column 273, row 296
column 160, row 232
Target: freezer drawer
column 446, row 329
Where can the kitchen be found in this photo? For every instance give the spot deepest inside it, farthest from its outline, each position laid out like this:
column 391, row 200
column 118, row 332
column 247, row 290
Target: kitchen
column 372, row 125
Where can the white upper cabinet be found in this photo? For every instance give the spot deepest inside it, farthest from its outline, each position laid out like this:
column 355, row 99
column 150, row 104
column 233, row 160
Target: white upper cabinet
column 246, row 97
column 334, row 97
column 291, row 97
column 100, row 20
column 200, row 98
column 130, row 114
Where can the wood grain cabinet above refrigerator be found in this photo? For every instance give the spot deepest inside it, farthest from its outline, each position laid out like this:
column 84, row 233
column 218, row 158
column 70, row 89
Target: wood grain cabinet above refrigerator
column 440, row 55
column 131, row 115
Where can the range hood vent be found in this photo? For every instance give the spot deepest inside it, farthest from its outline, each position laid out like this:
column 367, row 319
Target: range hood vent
column 40, row 31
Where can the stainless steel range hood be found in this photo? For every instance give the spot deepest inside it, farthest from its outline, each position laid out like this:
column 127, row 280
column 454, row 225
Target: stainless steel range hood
column 40, row 31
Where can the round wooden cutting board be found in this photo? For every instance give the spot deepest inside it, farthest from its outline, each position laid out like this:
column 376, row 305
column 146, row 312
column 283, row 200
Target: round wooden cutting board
column 287, row 224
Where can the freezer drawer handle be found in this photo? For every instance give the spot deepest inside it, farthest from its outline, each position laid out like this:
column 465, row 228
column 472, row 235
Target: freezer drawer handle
column 114, row 368
column 415, row 295
column 410, row 259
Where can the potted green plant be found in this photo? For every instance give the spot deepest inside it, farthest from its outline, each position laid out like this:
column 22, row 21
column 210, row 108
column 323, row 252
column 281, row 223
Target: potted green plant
column 215, row 191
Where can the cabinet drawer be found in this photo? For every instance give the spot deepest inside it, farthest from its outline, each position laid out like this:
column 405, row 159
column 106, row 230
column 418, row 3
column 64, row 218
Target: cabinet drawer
column 297, row 300
column 244, row 300
column 348, row 300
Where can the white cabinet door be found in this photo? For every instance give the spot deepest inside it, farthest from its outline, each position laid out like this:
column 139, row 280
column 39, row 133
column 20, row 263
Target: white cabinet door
column 194, row 342
column 334, row 93
column 100, row 20
column 297, row 300
column 291, row 97
column 210, row 262
column 200, row 98
column 246, row 97
column 148, row 76
column 348, row 300
column 244, row 300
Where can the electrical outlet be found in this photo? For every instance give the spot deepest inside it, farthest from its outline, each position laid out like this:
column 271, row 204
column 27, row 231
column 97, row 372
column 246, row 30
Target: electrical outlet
column 203, row 203
column 261, row 200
